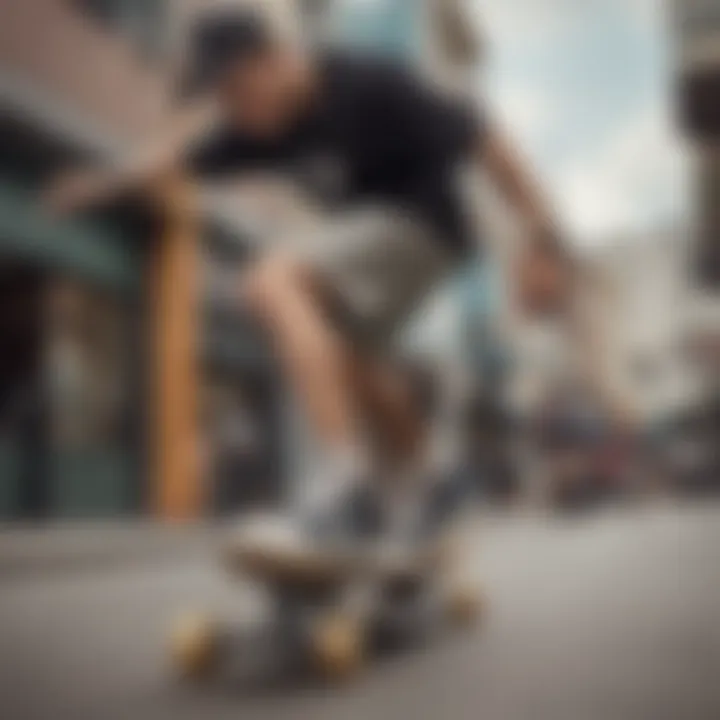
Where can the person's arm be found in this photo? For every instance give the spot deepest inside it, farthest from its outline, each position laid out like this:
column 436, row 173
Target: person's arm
column 516, row 183
column 85, row 188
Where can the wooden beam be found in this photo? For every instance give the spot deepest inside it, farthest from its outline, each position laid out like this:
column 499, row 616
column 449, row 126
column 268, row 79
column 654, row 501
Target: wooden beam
column 177, row 478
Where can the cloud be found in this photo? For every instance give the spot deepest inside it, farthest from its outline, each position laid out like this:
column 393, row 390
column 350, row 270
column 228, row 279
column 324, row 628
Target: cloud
column 647, row 14
column 633, row 182
column 521, row 23
column 525, row 110
column 584, row 87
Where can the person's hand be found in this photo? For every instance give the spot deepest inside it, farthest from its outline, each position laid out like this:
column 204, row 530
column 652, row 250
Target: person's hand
column 75, row 191
column 545, row 271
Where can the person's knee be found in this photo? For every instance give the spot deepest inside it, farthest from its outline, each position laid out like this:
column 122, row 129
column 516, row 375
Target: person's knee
column 271, row 283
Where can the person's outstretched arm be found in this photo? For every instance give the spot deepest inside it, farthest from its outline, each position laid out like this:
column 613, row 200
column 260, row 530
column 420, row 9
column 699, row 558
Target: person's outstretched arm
column 517, row 184
column 85, row 188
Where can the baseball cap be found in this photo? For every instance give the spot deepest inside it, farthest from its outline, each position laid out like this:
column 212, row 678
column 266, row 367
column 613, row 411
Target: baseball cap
column 218, row 40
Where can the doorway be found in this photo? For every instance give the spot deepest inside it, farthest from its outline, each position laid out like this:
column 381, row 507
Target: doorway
column 23, row 430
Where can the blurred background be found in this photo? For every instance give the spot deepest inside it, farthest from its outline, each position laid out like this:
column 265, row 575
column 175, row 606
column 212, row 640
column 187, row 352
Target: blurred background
column 134, row 391
column 131, row 385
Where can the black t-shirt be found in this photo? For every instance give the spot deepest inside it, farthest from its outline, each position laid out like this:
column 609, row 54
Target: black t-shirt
column 376, row 135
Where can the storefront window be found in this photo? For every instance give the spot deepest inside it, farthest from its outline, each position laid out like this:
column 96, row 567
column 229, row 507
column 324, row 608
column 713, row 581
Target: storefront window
column 88, row 371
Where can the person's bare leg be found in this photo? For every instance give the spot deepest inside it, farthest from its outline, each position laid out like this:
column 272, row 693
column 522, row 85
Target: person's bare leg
column 312, row 353
column 400, row 429
column 334, row 388
column 343, row 392
column 390, row 408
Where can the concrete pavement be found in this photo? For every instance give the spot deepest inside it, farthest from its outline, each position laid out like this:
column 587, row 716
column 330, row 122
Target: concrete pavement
column 59, row 548
column 612, row 617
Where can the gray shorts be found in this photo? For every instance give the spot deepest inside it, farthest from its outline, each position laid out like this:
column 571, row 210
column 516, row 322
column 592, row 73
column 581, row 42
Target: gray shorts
column 377, row 267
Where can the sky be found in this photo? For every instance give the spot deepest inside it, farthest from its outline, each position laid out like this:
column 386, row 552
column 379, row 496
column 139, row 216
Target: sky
column 585, row 88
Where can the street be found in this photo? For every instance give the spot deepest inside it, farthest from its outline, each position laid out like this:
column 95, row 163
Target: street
column 607, row 617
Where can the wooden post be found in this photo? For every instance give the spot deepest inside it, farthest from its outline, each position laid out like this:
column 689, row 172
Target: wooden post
column 176, row 469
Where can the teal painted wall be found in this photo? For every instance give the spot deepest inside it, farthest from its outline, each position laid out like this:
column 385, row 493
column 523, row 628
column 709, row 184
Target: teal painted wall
column 9, row 479
column 87, row 249
column 480, row 295
column 92, row 481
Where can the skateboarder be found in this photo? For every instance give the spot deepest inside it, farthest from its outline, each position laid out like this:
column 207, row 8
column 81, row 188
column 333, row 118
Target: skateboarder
column 380, row 151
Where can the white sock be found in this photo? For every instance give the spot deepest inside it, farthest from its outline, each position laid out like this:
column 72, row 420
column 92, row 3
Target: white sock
column 351, row 462
column 340, row 471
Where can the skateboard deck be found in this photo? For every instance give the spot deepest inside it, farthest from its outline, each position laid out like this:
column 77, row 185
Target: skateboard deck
column 328, row 611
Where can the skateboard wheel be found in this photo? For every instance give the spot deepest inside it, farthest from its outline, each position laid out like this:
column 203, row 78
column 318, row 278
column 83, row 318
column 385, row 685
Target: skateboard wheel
column 338, row 646
column 464, row 605
column 194, row 646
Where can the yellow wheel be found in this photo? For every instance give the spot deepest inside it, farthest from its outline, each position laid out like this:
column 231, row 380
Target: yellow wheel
column 338, row 646
column 194, row 646
column 464, row 605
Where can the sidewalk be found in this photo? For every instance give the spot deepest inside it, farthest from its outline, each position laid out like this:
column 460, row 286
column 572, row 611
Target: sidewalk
column 80, row 546
column 96, row 545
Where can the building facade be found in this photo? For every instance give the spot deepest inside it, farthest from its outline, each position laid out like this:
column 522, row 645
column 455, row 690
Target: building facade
column 116, row 393
column 130, row 385
column 698, row 78
column 648, row 322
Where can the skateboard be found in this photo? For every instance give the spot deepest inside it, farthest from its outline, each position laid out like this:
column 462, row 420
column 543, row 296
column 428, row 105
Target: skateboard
column 328, row 614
